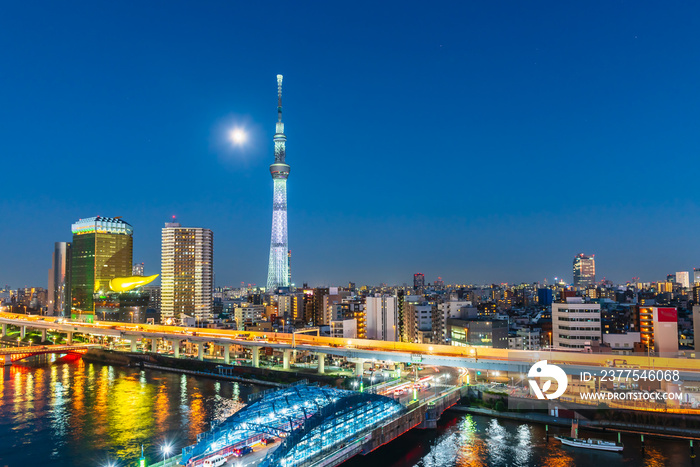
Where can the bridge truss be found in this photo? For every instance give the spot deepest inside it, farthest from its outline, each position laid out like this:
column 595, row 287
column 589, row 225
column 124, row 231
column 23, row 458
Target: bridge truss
column 310, row 420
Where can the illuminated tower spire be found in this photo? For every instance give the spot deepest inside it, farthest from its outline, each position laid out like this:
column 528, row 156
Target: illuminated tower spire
column 278, row 269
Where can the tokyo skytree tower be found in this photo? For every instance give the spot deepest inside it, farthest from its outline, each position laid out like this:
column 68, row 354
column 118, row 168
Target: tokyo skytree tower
column 277, row 273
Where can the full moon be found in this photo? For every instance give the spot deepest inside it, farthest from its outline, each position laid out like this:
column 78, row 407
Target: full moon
column 238, row 136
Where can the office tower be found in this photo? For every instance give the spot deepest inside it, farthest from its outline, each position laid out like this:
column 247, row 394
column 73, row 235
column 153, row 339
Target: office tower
column 186, row 273
column 137, row 269
column 584, row 270
column 278, row 268
column 544, row 297
column 696, row 276
column 102, row 249
column 575, row 325
column 382, row 317
column 59, row 280
column 418, row 282
column 683, row 278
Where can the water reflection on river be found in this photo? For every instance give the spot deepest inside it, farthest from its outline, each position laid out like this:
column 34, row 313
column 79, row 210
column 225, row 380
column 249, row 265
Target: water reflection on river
column 475, row 441
column 83, row 414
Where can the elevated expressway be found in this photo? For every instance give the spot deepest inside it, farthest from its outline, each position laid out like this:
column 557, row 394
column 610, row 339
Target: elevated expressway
column 357, row 350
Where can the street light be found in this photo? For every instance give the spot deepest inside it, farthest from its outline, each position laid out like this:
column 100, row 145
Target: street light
column 166, row 448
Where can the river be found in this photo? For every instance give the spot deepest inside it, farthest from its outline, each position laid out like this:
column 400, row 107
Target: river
column 83, row 414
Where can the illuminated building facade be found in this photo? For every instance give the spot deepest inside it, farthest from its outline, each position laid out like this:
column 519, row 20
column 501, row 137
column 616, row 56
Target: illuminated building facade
column 278, row 268
column 59, row 302
column 382, row 317
column 102, row 249
column 137, row 269
column 418, row 282
column 584, row 270
column 480, row 331
column 187, row 256
column 126, row 307
column 659, row 330
column 575, row 325
column 683, row 278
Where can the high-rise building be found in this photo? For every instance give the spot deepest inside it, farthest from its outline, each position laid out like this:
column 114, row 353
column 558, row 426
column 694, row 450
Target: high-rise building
column 278, row 268
column 575, row 325
column 187, row 257
column 683, row 278
column 102, row 249
column 382, row 317
column 696, row 276
column 59, row 301
column 544, row 297
column 584, row 270
column 418, row 282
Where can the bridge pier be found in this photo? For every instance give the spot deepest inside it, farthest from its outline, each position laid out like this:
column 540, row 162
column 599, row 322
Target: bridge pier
column 69, row 338
column 44, row 334
column 7, row 360
column 359, row 366
column 285, row 359
column 255, row 351
column 321, row 363
column 200, row 351
column 176, row 348
column 154, row 345
column 133, row 344
column 23, row 331
column 4, row 330
column 227, row 354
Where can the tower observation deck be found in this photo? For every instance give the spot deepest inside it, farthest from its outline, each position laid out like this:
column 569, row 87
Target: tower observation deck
column 278, row 268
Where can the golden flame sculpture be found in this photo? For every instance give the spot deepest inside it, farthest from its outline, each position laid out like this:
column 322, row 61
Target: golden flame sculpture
column 124, row 284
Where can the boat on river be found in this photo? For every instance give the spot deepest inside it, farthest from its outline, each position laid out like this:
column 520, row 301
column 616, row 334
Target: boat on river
column 588, row 443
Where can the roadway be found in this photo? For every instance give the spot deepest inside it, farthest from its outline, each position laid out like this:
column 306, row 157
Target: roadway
column 253, row 458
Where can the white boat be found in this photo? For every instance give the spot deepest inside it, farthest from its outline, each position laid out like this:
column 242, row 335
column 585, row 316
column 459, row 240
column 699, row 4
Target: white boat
column 590, row 443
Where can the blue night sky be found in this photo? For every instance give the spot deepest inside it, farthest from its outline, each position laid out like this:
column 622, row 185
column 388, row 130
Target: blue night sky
column 478, row 141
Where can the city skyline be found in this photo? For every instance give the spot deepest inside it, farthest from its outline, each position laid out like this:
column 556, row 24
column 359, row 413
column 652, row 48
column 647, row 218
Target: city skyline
column 535, row 107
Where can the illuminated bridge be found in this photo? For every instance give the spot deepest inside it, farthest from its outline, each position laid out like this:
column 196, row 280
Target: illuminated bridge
column 312, row 422
column 15, row 354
